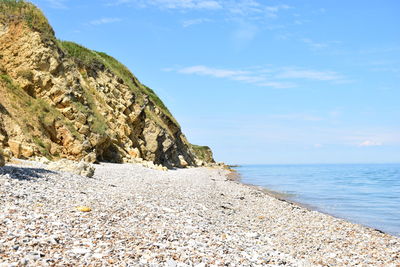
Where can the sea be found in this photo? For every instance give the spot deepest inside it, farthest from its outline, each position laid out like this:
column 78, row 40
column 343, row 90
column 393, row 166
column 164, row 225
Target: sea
column 367, row 194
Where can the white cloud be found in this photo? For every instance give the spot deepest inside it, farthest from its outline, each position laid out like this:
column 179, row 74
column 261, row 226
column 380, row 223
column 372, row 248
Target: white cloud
column 310, row 75
column 259, row 76
column 297, row 117
column 173, row 4
column 314, row 44
column 387, row 69
column 191, row 22
column 368, row 143
column 255, row 77
column 105, row 21
column 243, row 7
column 278, row 85
column 59, row 4
column 218, row 73
column 208, row 5
column 272, row 11
column 186, row 4
column 235, row 7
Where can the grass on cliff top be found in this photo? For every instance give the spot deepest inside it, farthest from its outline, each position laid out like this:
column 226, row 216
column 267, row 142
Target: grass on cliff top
column 124, row 73
column 95, row 59
column 203, row 152
column 20, row 10
column 80, row 54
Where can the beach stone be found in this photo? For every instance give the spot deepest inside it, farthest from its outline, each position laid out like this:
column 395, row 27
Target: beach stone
column 253, row 235
column 42, row 160
column 80, row 250
column 171, row 263
column 156, row 218
column 98, row 255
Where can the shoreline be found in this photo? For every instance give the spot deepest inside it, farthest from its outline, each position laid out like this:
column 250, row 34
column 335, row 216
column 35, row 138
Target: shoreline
column 272, row 193
column 184, row 217
column 286, row 198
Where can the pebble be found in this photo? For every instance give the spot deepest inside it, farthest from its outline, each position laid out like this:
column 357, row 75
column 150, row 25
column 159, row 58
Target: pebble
column 253, row 235
column 80, row 251
column 184, row 217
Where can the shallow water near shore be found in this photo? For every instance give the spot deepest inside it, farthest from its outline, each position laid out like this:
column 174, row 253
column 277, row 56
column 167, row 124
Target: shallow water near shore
column 367, row 194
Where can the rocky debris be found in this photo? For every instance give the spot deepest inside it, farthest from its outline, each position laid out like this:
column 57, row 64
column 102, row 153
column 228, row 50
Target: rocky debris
column 182, row 161
column 129, row 160
column 42, row 160
column 80, row 168
column 136, row 216
column 149, row 164
column 200, row 163
column 2, row 160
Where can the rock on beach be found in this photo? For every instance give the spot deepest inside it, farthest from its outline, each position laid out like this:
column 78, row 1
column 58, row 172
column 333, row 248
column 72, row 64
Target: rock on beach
column 80, row 168
column 184, row 217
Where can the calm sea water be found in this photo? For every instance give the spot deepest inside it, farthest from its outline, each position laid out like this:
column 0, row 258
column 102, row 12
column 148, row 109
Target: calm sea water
column 367, row 194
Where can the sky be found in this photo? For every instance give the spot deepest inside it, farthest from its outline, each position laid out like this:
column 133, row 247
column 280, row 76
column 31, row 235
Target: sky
column 260, row 82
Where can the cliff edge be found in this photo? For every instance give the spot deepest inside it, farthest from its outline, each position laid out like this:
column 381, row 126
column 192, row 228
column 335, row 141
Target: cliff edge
column 61, row 100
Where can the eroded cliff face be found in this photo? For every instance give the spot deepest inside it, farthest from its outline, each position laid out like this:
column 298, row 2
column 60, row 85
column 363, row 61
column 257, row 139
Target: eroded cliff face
column 60, row 100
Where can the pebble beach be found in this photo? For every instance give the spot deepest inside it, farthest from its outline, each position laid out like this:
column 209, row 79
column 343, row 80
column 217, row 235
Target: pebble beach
column 128, row 215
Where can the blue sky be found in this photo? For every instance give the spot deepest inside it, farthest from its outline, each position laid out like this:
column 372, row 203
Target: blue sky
column 259, row 81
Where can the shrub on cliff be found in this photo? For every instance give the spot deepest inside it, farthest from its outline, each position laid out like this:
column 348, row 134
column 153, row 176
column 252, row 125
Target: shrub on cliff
column 20, row 10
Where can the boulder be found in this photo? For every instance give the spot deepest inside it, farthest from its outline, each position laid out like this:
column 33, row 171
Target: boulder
column 27, row 151
column 182, row 161
column 85, row 169
column 15, row 147
column 134, row 152
column 199, row 162
column 90, row 158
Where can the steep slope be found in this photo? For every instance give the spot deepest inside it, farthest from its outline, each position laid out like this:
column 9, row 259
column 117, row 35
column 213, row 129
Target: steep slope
column 61, row 100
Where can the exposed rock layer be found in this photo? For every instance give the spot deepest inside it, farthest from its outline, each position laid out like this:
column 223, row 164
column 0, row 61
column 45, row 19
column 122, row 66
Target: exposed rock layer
column 2, row 161
column 61, row 100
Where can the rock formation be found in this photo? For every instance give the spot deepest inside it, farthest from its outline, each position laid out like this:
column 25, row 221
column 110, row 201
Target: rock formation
column 2, row 160
column 61, row 100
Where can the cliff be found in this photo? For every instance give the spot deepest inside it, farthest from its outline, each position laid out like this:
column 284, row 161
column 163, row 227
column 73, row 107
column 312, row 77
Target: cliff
column 61, row 100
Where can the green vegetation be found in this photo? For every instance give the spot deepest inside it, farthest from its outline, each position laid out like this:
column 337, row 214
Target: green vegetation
column 99, row 124
column 203, row 152
column 20, row 10
column 35, row 111
column 26, row 74
column 80, row 54
column 90, row 58
column 123, row 72
column 158, row 102
column 37, row 118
